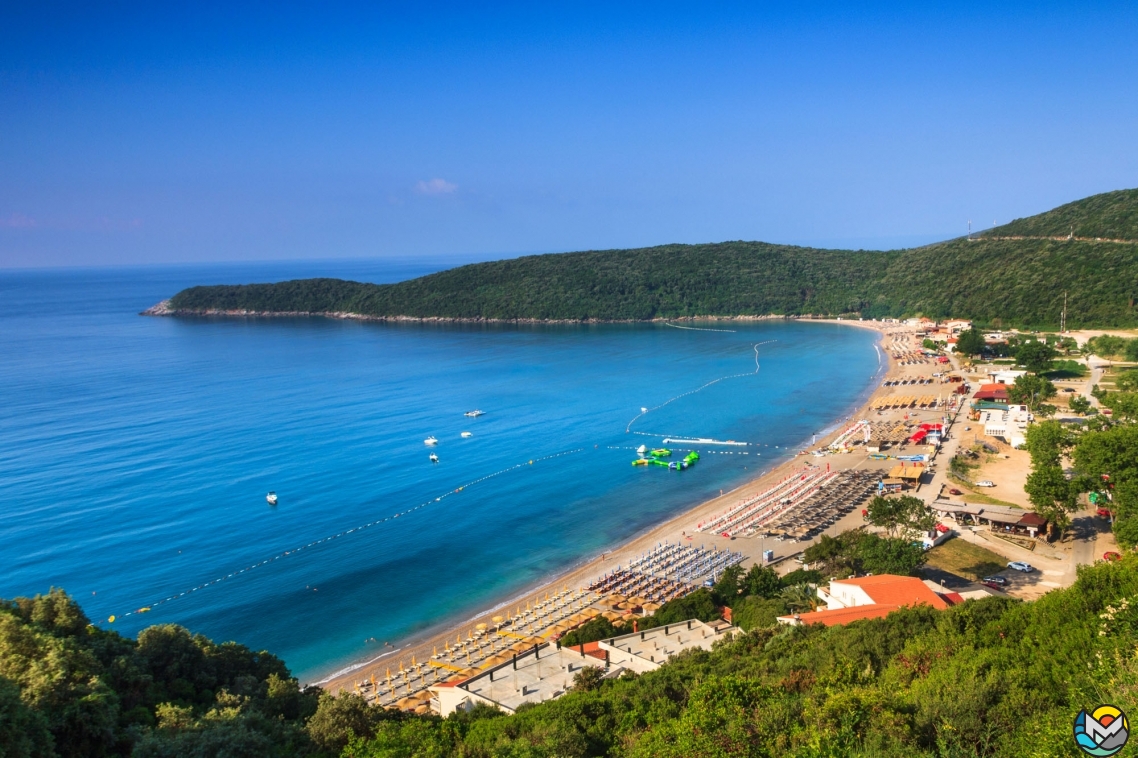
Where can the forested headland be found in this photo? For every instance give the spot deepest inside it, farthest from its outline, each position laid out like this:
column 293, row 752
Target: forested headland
column 993, row 677
column 1013, row 275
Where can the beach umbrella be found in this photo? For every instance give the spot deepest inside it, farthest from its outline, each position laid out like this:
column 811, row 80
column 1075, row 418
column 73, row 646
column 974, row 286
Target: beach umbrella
column 480, row 626
column 423, row 709
column 407, row 702
column 497, row 619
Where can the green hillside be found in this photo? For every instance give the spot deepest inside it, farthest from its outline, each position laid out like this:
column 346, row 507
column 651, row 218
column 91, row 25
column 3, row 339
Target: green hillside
column 991, row 279
column 1111, row 215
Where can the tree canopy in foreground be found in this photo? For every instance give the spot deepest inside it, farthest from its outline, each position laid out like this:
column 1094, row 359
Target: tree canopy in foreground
column 995, row 677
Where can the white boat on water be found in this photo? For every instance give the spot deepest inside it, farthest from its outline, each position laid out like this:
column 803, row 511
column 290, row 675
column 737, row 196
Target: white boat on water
column 271, row 498
column 467, row 434
column 434, row 458
column 430, row 441
column 474, row 414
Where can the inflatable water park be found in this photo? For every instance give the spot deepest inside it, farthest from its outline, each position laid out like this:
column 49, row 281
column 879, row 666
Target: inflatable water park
column 656, row 458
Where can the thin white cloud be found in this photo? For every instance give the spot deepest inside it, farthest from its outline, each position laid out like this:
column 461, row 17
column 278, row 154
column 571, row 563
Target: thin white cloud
column 17, row 221
column 435, row 187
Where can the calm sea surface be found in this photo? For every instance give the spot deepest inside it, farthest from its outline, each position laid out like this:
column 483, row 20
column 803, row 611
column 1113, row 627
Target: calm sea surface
column 135, row 453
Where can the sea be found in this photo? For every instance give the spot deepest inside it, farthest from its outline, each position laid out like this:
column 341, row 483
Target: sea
column 136, row 452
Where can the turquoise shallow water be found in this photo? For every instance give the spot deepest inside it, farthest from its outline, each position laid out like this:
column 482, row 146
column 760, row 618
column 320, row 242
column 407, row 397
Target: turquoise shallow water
column 135, row 453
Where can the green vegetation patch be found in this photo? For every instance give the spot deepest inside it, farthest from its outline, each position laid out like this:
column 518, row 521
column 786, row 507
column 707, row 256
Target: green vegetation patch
column 994, row 677
column 964, row 559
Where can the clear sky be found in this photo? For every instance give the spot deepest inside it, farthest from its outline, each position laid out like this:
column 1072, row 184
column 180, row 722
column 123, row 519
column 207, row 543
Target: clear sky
column 162, row 132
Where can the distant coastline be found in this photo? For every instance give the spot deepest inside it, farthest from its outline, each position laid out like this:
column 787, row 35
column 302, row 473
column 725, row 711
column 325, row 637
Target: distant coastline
column 164, row 309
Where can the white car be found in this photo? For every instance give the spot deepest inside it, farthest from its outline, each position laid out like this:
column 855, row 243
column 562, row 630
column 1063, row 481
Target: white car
column 1026, row 568
column 986, row 483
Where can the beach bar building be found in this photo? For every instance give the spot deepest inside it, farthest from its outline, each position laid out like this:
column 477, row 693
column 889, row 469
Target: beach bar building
column 546, row 671
column 998, row 518
column 990, row 396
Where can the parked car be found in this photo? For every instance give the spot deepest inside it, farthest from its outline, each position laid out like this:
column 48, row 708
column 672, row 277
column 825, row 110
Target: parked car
column 997, row 579
column 1026, row 568
column 1068, row 389
column 986, row 483
column 993, row 585
column 967, row 428
column 1112, row 556
column 955, row 491
column 1104, row 513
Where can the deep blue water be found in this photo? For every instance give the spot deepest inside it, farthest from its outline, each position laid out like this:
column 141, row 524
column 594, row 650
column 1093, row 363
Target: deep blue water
column 135, row 453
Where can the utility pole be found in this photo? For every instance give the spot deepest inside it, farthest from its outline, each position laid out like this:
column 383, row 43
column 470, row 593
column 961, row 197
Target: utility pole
column 1063, row 316
column 969, row 229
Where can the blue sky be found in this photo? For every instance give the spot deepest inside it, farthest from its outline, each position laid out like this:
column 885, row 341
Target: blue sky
column 136, row 133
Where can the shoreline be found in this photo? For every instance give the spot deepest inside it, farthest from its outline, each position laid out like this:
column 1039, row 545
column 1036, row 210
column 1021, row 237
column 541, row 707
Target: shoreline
column 421, row 643
column 163, row 310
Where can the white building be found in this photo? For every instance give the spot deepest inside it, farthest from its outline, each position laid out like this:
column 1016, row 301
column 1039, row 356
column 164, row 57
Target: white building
column 957, row 326
column 849, row 600
column 546, row 672
column 1005, row 377
column 1008, row 425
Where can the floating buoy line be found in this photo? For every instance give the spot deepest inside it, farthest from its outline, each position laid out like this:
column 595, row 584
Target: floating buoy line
column 698, row 329
column 645, row 412
column 440, row 498
column 346, row 532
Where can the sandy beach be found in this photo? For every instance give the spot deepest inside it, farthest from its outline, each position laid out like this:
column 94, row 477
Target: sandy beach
column 677, row 529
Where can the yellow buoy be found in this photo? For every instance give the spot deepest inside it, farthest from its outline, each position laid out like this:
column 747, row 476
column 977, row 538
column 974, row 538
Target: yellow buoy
column 111, row 620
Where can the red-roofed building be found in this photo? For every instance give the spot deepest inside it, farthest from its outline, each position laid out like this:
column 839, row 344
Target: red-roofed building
column 867, row 597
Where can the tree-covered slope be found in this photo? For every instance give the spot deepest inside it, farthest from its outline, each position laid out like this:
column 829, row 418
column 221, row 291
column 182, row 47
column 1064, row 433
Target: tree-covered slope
column 1111, row 215
column 992, row 279
column 672, row 280
column 1016, row 282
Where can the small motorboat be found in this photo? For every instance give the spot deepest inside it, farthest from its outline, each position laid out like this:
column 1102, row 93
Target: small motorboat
column 271, row 498
column 434, row 458
column 467, row 434
column 430, row 441
column 642, row 449
column 474, row 413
